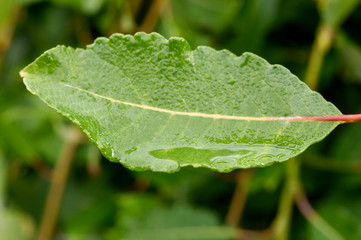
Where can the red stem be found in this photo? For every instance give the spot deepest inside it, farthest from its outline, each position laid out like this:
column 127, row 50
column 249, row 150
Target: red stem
column 339, row 118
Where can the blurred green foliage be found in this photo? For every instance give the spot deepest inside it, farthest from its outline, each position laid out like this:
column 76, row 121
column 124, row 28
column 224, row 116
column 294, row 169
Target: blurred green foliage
column 103, row 200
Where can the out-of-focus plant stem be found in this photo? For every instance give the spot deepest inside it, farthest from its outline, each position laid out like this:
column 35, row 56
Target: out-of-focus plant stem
column 280, row 226
column 321, row 45
column 82, row 30
column 311, row 215
column 152, row 17
column 57, row 184
column 239, row 198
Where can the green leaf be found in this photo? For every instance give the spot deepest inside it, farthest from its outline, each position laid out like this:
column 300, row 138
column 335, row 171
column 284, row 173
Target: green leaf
column 180, row 223
column 153, row 103
column 143, row 216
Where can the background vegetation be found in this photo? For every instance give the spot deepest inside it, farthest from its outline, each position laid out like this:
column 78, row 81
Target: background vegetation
column 316, row 196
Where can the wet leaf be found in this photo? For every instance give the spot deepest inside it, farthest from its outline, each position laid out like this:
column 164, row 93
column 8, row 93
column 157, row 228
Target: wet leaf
column 153, row 103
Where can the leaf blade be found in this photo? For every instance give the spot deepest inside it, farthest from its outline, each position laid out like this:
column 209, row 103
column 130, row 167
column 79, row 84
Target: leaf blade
column 153, row 103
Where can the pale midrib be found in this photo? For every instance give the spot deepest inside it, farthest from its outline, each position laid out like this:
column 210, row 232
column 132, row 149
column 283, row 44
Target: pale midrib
column 207, row 115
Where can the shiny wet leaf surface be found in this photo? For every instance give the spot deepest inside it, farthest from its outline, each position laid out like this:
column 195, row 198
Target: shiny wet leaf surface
column 153, row 103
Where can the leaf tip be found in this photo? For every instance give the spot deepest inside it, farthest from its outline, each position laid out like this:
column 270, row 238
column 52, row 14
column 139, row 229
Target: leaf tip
column 22, row 73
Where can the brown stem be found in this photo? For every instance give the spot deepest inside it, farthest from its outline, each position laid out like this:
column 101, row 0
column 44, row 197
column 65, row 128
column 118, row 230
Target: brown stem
column 239, row 197
column 311, row 215
column 125, row 21
column 82, row 31
column 57, row 185
column 304, row 205
column 153, row 15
